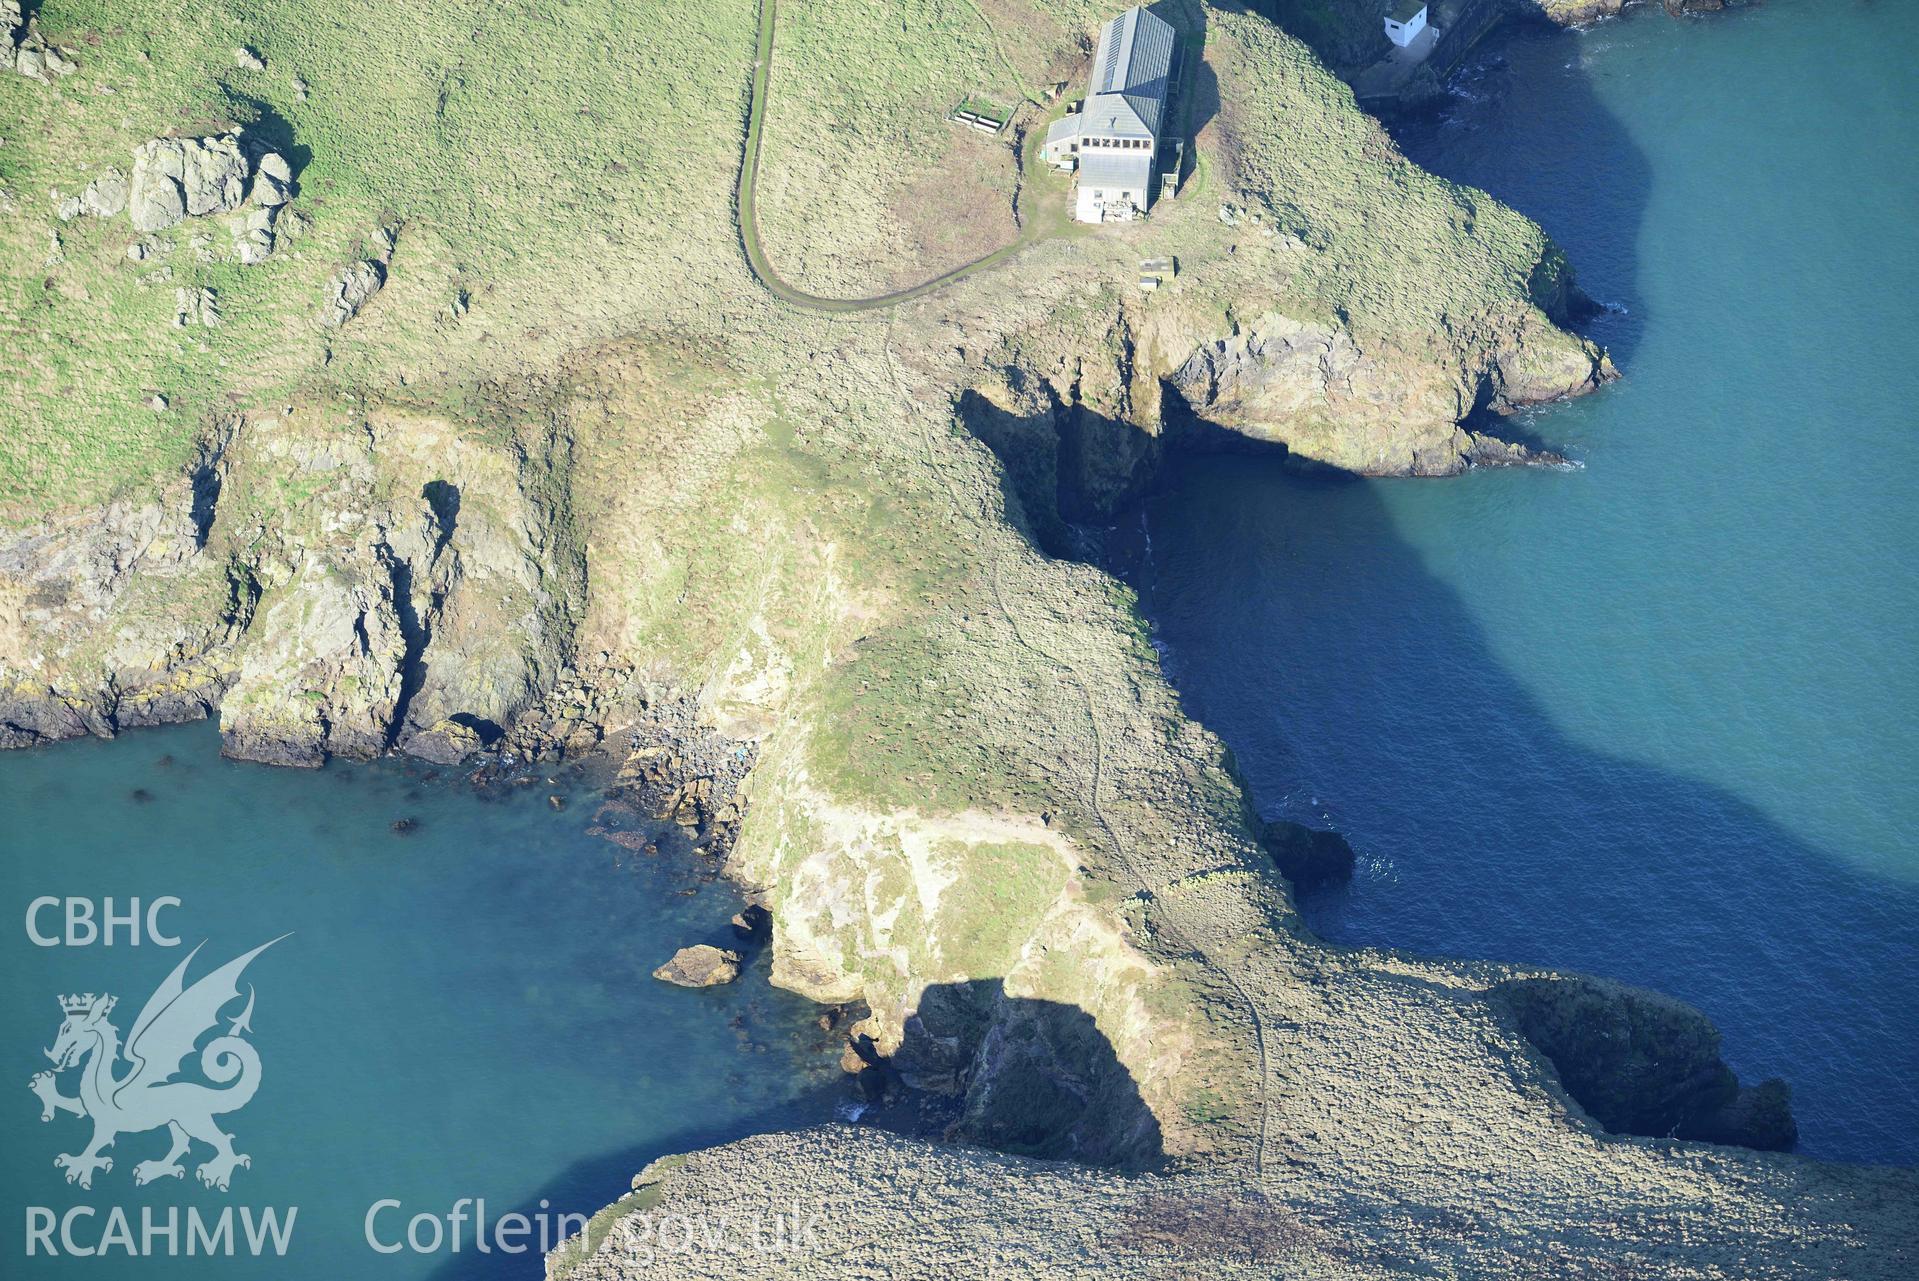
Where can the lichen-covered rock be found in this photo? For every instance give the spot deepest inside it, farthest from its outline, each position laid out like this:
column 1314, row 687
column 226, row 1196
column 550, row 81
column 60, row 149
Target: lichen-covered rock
column 272, row 180
column 701, row 965
column 106, row 195
column 29, row 53
column 323, row 673
column 197, row 306
column 175, row 178
column 445, row 742
column 253, row 234
column 348, row 292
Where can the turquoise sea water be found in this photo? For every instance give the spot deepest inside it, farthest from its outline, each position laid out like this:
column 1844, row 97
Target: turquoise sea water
column 464, row 1011
column 1657, row 717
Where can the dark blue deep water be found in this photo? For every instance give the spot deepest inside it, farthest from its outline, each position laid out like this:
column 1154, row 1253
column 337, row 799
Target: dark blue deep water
column 1658, row 717
column 462, row 1012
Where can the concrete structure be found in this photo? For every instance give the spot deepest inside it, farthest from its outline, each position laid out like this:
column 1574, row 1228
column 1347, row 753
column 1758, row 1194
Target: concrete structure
column 1405, row 22
column 1114, row 138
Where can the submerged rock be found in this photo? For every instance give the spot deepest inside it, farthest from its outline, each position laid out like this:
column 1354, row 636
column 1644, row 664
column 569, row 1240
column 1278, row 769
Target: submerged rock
column 701, row 965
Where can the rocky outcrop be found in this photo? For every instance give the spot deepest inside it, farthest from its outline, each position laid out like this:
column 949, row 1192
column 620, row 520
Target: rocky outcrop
column 1577, row 12
column 701, row 965
column 197, row 306
column 24, row 49
column 322, row 675
column 297, row 580
column 1037, row 1077
column 349, row 291
column 1644, row 1063
column 682, row 771
column 1374, row 409
column 176, row 178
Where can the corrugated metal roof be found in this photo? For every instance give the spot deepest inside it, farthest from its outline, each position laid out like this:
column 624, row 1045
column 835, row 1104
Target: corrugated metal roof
column 1130, row 69
column 1065, row 129
column 1113, row 170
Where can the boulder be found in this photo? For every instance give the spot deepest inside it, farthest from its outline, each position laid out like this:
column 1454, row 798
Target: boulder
column 752, row 921
column 253, row 234
column 445, row 742
column 349, row 291
column 106, row 195
column 248, row 60
column 175, row 178
column 272, row 181
column 700, row 966
column 30, row 55
column 1309, row 858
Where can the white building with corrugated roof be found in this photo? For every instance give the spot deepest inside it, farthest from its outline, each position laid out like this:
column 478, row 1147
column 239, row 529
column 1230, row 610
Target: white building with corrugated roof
column 1114, row 138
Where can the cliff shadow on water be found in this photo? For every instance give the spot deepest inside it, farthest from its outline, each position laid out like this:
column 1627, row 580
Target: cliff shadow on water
column 1358, row 691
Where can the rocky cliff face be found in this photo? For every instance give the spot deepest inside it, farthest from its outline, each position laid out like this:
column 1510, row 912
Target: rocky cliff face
column 1376, row 410
column 1644, row 1063
column 1573, row 12
column 333, row 589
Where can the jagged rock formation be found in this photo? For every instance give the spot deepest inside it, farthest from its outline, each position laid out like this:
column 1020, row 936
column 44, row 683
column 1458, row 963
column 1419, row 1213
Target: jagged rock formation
column 175, row 178
column 24, row 49
column 1311, row 388
column 217, row 593
column 1643, row 1063
column 701, row 965
column 350, row 290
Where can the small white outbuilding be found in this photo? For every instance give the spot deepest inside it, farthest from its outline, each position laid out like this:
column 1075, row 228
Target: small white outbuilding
column 1406, row 21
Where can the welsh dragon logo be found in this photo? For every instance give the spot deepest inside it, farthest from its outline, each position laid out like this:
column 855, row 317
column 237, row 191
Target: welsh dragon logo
column 145, row 1096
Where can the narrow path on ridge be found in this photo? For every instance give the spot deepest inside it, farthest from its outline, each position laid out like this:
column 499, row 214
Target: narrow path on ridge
column 1147, row 889
column 747, row 213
